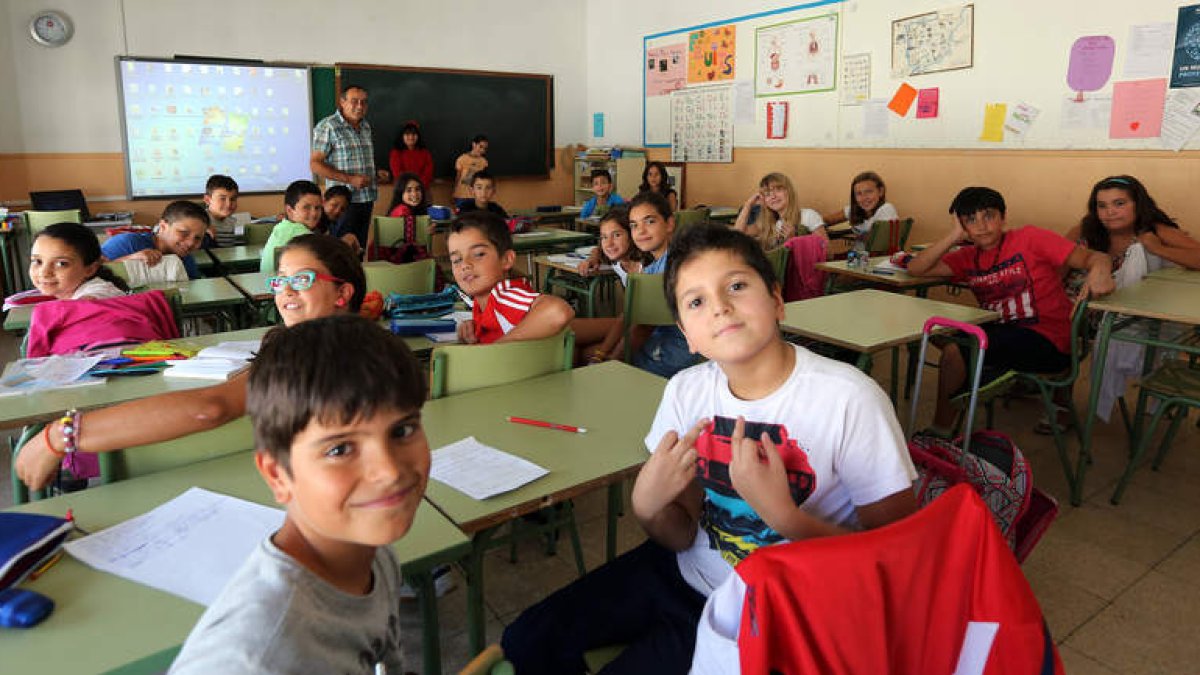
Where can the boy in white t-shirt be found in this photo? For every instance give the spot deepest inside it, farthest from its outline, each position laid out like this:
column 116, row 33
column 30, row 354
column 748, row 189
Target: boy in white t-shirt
column 764, row 443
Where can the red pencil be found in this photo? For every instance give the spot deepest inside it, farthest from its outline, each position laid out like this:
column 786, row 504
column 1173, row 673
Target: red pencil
column 547, row 425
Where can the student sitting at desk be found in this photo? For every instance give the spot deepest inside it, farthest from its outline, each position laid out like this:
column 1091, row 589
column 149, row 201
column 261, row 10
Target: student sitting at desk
column 319, row 276
column 220, row 200
column 502, row 309
column 340, row 444
column 334, row 203
column 302, row 210
column 765, row 443
column 466, row 166
column 656, row 179
column 180, row 231
column 604, row 199
column 868, row 205
column 408, row 202
column 772, row 214
column 483, row 187
column 1016, row 273
column 65, row 264
column 599, row 339
column 662, row 351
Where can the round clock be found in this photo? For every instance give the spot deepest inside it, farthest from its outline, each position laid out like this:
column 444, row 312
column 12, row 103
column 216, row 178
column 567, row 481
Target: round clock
column 51, row 28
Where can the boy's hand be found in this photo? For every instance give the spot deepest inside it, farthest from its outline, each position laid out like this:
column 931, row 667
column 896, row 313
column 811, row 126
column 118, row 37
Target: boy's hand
column 667, row 473
column 466, row 332
column 35, row 464
column 150, row 256
column 959, row 233
column 757, row 473
column 1099, row 283
column 383, row 175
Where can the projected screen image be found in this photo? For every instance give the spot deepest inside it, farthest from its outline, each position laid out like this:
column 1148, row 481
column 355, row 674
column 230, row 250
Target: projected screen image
column 186, row 121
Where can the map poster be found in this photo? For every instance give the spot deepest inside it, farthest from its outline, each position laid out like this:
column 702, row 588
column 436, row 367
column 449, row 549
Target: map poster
column 933, row 42
column 711, row 54
column 666, row 69
column 1185, row 67
column 797, row 57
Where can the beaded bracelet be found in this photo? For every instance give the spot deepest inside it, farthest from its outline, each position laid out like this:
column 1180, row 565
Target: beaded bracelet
column 70, row 430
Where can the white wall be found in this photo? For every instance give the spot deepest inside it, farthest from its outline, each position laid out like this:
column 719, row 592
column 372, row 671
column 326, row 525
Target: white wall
column 68, row 95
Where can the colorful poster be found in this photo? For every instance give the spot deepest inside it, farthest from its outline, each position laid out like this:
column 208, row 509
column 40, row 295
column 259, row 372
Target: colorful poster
column 797, row 57
column 993, row 122
column 1185, row 68
column 702, row 124
column 666, row 70
column 1020, row 119
column 1091, row 62
column 903, row 99
column 1137, row 109
column 711, row 55
column 927, row 103
column 855, row 79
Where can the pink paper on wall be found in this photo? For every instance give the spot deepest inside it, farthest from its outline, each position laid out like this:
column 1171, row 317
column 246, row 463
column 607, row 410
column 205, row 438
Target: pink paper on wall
column 666, row 69
column 1137, row 108
column 1091, row 62
column 927, row 103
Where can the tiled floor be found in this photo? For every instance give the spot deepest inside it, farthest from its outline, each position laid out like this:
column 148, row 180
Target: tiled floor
column 1120, row 586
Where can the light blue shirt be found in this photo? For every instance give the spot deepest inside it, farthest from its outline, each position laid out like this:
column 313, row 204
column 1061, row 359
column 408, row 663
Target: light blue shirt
column 589, row 207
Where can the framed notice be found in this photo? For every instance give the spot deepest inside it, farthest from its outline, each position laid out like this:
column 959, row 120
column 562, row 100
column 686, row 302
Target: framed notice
column 933, row 42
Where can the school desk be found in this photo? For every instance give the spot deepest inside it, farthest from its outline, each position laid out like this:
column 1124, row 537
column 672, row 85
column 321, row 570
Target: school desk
column 723, row 214
column 547, row 240
column 1150, row 301
column 566, row 276
column 17, row 318
column 233, row 259
column 102, row 621
column 566, row 216
column 1176, row 274
column 868, row 321
column 899, row 280
column 613, row 401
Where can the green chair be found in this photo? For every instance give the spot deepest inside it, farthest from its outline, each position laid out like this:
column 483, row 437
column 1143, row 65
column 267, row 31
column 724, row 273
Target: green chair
column 118, row 269
column 1175, row 386
column 778, row 257
column 227, row 439
column 414, row 278
column 389, row 230
column 257, row 234
column 645, row 305
column 685, row 218
column 881, row 234
column 36, row 221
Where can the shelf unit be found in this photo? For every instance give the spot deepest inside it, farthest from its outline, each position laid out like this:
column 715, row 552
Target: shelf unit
column 626, row 173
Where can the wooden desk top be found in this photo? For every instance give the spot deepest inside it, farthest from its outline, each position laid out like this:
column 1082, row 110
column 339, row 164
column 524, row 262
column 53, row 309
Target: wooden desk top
column 1154, row 298
column 102, row 621
column 869, row 320
column 898, row 278
column 549, row 237
column 1176, row 274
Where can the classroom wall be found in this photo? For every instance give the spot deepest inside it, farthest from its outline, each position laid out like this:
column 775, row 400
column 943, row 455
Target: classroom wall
column 49, row 141
column 1048, row 188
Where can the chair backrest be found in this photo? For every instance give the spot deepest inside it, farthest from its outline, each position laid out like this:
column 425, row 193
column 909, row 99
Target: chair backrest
column 778, row 257
column 59, row 200
column 461, row 368
column 36, row 221
column 257, row 234
column 880, row 238
column 390, row 230
column 645, row 305
column 685, row 218
column 235, row 436
column 416, row 278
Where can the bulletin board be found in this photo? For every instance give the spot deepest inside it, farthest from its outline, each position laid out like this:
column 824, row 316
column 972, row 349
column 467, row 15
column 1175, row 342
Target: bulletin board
column 1022, row 74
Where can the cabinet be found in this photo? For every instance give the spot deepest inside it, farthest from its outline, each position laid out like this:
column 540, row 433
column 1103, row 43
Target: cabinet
column 626, row 173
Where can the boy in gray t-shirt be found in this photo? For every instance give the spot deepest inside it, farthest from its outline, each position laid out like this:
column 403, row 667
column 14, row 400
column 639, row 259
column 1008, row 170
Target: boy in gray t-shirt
column 340, row 443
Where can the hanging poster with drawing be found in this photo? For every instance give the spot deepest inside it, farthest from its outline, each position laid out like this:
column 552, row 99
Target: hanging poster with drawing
column 711, row 54
column 933, row 42
column 666, row 69
column 702, row 124
column 797, row 57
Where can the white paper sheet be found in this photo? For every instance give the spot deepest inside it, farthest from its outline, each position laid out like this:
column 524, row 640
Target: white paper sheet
column 1149, row 51
column 1180, row 119
column 1090, row 113
column 243, row 350
column 743, row 105
column 190, row 546
column 875, row 119
column 49, row 372
column 480, row 471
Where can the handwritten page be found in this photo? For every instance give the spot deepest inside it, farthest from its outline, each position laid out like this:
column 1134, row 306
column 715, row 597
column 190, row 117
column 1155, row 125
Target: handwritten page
column 993, row 122
column 1020, row 119
column 927, row 103
column 1149, row 50
column 190, row 546
column 1181, row 118
column 480, row 471
column 1137, row 109
column 856, row 79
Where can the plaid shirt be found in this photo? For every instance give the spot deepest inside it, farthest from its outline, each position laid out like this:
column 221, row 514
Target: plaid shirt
column 348, row 151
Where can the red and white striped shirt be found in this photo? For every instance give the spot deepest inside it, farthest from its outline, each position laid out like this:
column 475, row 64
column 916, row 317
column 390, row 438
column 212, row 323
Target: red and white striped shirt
column 508, row 303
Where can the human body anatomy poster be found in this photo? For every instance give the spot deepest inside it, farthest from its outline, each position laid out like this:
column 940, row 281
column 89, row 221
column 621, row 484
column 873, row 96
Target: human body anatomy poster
column 797, row 57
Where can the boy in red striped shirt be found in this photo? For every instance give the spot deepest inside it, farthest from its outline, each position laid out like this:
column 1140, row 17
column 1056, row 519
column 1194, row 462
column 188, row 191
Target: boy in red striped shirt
column 481, row 255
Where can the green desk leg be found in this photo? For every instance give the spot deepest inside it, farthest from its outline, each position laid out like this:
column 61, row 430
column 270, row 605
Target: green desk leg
column 431, row 654
column 476, row 621
column 615, row 495
column 1085, row 449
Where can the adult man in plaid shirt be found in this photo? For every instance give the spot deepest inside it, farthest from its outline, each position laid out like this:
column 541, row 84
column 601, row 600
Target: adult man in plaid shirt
column 342, row 154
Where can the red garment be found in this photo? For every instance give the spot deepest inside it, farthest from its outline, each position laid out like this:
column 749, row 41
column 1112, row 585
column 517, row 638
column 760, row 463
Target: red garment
column 65, row 326
column 508, row 303
column 1021, row 278
column 899, row 599
column 802, row 280
column 418, row 161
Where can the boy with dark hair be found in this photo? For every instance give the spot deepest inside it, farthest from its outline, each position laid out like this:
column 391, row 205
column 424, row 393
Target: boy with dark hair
column 483, row 191
column 302, row 209
column 502, row 309
column 466, row 166
column 1017, row 273
column 339, row 441
column 180, row 231
column 604, row 199
column 767, row 442
column 221, row 199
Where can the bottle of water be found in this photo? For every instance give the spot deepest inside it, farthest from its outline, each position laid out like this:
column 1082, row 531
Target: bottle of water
column 860, row 256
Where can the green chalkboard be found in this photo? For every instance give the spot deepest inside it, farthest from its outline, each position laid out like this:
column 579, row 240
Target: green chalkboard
column 515, row 111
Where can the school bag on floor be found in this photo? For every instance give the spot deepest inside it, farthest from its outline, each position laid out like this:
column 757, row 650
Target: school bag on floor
column 989, row 461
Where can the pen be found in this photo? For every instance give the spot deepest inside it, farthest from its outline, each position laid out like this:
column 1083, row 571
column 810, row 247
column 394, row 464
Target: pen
column 546, row 425
column 45, row 566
